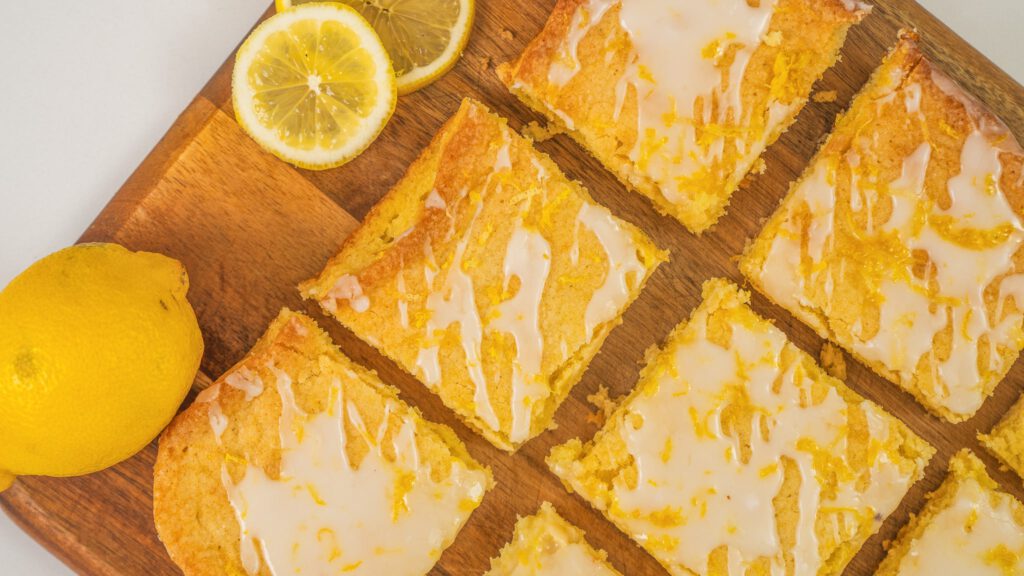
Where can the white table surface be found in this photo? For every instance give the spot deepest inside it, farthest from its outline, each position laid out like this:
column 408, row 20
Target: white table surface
column 89, row 87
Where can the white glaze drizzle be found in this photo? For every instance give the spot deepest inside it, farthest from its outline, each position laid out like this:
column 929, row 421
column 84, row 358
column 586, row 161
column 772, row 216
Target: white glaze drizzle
column 325, row 515
column 555, row 552
column 542, row 174
column 451, row 298
column 912, row 98
column 689, row 464
column 856, row 6
column 245, row 380
column 974, row 535
column 527, row 257
column 347, row 288
column 568, row 64
column 218, row 422
column 455, row 302
column 503, row 161
column 430, row 269
column 963, row 273
column 624, row 266
column 435, row 201
column 676, row 70
column 680, row 77
column 909, row 319
column 574, row 251
column 905, row 316
column 403, row 302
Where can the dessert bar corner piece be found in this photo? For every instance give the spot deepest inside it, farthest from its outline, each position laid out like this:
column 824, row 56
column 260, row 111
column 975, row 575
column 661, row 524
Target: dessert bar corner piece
column 488, row 275
column 737, row 453
column 1006, row 440
column 901, row 241
column 679, row 99
column 545, row 544
column 297, row 461
column 967, row 526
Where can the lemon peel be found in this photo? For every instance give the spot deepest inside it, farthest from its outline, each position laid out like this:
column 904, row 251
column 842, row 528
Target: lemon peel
column 98, row 348
column 425, row 38
column 313, row 85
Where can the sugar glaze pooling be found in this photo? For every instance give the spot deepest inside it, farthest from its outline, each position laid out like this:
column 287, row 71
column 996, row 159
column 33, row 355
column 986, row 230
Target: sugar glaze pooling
column 382, row 516
column 694, row 493
column 970, row 245
column 975, row 536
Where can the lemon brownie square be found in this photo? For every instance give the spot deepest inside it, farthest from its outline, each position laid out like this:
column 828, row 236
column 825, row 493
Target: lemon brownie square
column 545, row 544
column 901, row 241
column 967, row 526
column 1006, row 440
column 679, row 99
column 300, row 461
column 737, row 454
column 488, row 275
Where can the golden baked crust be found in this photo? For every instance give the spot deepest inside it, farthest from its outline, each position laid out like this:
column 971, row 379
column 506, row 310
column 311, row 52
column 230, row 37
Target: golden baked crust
column 194, row 514
column 488, row 275
column 545, row 544
column 598, row 105
column 901, row 240
column 967, row 526
column 736, row 449
column 1006, row 440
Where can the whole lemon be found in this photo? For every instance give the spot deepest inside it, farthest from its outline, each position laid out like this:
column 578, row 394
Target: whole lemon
column 98, row 348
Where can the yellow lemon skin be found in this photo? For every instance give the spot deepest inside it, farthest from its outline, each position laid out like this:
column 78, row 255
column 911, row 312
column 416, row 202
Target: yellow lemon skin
column 98, row 348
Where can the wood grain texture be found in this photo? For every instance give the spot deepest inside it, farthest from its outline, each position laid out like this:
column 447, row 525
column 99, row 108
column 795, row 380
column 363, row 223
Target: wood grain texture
column 249, row 228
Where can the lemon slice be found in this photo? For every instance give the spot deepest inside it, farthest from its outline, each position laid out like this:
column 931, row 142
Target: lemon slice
column 424, row 37
column 314, row 85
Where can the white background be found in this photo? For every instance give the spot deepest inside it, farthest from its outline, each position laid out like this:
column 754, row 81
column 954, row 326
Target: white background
column 88, row 87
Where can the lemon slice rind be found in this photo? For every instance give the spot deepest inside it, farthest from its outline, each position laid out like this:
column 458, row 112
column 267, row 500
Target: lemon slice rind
column 421, row 76
column 317, row 158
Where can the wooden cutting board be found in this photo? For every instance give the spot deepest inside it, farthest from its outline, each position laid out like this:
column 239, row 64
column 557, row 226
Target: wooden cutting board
column 249, row 228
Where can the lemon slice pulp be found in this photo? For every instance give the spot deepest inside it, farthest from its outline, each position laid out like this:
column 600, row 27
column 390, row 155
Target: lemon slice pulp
column 314, row 85
column 424, row 37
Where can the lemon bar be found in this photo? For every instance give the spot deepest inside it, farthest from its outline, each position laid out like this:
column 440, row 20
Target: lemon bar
column 488, row 275
column 1006, row 440
column 737, row 454
column 545, row 544
column 900, row 242
column 968, row 526
column 679, row 99
column 300, row 461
